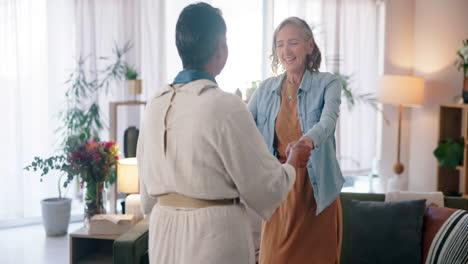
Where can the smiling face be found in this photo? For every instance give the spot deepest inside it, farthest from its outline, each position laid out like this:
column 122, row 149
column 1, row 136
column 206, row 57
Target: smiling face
column 292, row 48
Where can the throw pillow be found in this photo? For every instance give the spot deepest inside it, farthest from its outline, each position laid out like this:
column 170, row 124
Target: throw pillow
column 450, row 244
column 386, row 232
column 434, row 218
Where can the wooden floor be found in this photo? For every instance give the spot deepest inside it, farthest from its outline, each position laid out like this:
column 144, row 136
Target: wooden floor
column 30, row 245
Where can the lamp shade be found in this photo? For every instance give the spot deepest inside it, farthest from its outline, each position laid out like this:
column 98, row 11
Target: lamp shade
column 127, row 176
column 404, row 90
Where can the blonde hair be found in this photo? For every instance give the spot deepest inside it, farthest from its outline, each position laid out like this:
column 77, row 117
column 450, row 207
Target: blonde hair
column 313, row 60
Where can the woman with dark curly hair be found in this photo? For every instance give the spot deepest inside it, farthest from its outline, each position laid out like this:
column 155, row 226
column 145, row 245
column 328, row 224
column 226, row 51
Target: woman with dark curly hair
column 199, row 153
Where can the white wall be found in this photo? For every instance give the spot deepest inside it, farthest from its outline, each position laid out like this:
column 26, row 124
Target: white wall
column 398, row 60
column 421, row 39
column 440, row 27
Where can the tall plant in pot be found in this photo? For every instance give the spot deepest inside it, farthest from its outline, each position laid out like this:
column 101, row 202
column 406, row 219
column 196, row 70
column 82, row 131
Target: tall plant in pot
column 81, row 121
column 56, row 210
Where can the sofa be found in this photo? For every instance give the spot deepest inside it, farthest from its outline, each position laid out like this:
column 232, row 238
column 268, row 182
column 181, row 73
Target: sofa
column 132, row 246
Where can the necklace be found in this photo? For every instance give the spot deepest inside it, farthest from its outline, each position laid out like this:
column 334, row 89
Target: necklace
column 290, row 86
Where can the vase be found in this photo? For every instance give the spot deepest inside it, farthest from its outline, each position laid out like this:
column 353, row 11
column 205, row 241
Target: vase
column 134, row 86
column 130, row 141
column 94, row 202
column 465, row 90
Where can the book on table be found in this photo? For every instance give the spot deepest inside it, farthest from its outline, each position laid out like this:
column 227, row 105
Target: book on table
column 111, row 224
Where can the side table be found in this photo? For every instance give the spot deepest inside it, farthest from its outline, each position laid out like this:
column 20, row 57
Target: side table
column 87, row 249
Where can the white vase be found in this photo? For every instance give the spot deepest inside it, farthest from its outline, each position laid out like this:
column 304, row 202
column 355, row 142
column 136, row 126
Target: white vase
column 397, row 183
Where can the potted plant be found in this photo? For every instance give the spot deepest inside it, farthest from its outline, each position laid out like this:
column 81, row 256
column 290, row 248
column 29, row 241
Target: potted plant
column 449, row 155
column 134, row 84
column 462, row 64
column 56, row 210
column 81, row 121
column 250, row 91
column 94, row 162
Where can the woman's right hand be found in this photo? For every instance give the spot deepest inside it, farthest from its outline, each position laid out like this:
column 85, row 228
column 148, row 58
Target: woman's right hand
column 298, row 153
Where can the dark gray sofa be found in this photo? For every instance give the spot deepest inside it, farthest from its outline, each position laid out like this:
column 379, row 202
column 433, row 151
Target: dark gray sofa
column 132, row 247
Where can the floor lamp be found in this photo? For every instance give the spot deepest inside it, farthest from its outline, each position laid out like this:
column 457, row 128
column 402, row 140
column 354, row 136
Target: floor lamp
column 402, row 91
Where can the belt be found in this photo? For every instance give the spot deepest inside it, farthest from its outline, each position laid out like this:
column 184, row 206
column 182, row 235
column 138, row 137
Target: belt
column 179, row 200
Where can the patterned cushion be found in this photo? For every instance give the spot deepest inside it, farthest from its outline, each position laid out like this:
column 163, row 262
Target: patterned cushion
column 434, row 218
column 450, row 244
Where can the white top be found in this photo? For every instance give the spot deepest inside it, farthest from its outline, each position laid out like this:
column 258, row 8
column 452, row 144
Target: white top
column 201, row 142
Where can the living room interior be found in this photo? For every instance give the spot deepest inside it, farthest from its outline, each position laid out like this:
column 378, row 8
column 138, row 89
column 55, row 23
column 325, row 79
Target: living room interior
column 74, row 66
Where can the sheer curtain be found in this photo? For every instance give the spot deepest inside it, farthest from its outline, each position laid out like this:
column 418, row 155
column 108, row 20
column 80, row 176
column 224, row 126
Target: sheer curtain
column 352, row 32
column 39, row 44
column 30, row 84
column 161, row 61
column 100, row 27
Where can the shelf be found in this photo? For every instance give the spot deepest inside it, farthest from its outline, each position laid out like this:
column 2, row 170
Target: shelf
column 462, row 106
column 100, row 257
column 453, row 123
column 90, row 249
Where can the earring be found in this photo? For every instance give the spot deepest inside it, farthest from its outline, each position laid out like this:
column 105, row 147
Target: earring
column 311, row 62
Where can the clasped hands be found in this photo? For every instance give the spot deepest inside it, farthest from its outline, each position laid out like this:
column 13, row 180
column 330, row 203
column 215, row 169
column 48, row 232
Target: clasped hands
column 298, row 152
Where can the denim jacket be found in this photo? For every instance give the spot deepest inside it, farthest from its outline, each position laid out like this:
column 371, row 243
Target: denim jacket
column 319, row 98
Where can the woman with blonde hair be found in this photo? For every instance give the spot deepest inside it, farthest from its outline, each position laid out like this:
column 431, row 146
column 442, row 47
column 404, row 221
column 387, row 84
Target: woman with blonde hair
column 301, row 104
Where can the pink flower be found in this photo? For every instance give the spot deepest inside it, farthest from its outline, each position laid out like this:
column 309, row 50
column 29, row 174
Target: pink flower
column 94, row 156
column 97, row 157
column 77, row 156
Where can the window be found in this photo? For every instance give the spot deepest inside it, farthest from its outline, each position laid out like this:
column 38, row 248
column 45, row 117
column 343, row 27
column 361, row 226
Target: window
column 40, row 40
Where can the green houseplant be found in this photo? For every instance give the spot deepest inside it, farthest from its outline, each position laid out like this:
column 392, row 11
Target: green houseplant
column 131, row 75
column 349, row 92
column 81, row 121
column 130, row 72
column 449, row 153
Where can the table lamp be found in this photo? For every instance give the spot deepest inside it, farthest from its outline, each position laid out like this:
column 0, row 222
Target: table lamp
column 402, row 91
column 128, row 182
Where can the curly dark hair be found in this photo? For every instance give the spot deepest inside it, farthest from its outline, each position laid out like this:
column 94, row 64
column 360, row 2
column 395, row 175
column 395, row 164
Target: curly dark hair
column 198, row 29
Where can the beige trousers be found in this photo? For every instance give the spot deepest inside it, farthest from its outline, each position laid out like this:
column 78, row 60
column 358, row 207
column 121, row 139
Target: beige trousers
column 215, row 234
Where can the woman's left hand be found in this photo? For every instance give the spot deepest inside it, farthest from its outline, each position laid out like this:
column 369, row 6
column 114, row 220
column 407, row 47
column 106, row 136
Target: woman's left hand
column 304, row 139
column 308, row 141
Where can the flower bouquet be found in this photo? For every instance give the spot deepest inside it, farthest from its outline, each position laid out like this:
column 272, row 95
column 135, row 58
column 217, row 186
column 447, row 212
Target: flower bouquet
column 96, row 163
